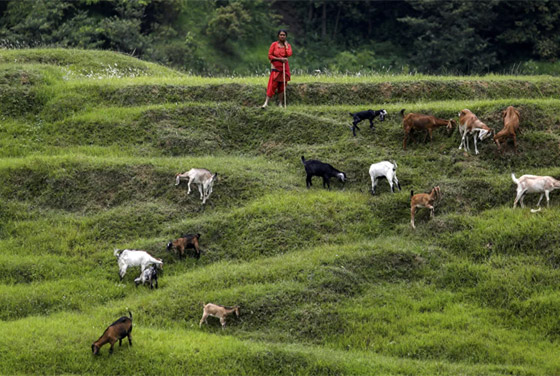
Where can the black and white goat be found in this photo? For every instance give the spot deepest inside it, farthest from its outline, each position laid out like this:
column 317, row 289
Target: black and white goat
column 149, row 275
column 384, row 170
column 314, row 167
column 369, row 115
column 203, row 178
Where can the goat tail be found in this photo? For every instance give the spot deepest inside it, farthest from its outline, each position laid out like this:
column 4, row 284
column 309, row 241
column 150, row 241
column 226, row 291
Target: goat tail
column 411, row 193
column 202, row 304
column 130, row 314
column 302, row 159
column 394, row 164
column 402, row 112
column 116, row 253
column 516, row 181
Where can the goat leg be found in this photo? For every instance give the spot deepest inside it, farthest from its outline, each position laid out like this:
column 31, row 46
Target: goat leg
column 354, row 127
column 540, row 199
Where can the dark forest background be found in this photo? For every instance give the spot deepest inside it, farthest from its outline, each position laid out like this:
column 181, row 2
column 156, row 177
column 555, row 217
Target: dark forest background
column 232, row 36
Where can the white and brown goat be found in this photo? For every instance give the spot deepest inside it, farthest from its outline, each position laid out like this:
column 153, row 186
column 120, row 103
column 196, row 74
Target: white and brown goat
column 203, row 178
column 115, row 332
column 534, row 184
column 421, row 122
column 511, row 127
column 423, row 200
column 469, row 123
column 219, row 311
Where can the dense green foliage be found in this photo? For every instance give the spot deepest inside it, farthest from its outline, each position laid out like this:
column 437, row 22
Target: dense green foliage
column 329, row 282
column 232, row 36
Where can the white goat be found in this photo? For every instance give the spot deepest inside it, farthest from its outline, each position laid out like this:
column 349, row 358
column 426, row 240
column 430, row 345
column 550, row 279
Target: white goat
column 131, row 257
column 219, row 311
column 534, row 184
column 201, row 177
column 384, row 170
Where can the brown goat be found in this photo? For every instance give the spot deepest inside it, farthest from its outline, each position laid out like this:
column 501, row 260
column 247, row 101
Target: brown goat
column 219, row 311
column 511, row 125
column 423, row 200
column 423, row 122
column 184, row 242
column 115, row 332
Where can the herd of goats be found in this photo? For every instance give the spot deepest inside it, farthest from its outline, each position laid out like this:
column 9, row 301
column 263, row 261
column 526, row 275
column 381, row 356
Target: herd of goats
column 469, row 125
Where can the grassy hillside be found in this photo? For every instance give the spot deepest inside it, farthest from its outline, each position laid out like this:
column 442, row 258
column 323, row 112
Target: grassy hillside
column 329, row 282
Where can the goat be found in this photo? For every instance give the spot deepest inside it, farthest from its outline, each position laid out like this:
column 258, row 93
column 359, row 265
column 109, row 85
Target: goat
column 115, row 332
column 203, row 178
column 510, row 117
column 363, row 115
column 314, row 167
column 219, row 311
column 423, row 200
column 384, row 170
column 534, row 184
column 423, row 122
column 131, row 257
column 469, row 123
column 184, row 242
column 149, row 275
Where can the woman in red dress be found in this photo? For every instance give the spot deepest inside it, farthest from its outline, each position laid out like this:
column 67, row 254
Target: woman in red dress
column 278, row 54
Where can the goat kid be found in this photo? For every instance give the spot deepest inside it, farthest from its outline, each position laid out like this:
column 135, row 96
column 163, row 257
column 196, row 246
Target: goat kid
column 384, row 170
column 184, row 242
column 421, row 122
column 314, row 167
column 219, row 311
column 115, row 332
column 131, row 257
column 203, row 178
column 423, row 200
column 469, row 123
column 534, row 184
column 369, row 115
column 510, row 117
column 148, row 276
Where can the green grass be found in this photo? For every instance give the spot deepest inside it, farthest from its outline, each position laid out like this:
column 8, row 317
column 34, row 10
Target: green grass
column 329, row 282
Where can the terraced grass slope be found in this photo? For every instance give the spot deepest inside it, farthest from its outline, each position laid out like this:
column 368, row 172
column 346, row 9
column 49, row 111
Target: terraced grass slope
column 329, row 282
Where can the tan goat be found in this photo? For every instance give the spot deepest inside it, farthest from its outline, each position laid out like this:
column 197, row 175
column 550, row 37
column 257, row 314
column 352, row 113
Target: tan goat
column 470, row 123
column 511, row 126
column 423, row 200
column 421, row 122
column 219, row 311
column 534, row 184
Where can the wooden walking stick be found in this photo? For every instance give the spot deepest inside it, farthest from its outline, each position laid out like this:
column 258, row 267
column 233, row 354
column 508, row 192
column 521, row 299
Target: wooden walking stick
column 284, row 74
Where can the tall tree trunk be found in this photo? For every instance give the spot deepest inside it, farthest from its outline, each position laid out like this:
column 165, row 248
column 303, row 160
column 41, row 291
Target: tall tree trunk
column 324, row 22
column 336, row 21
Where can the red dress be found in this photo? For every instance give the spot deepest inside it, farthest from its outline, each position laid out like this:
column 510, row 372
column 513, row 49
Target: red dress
column 276, row 79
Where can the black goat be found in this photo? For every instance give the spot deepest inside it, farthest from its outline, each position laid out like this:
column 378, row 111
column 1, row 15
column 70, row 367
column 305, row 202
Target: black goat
column 363, row 115
column 314, row 167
